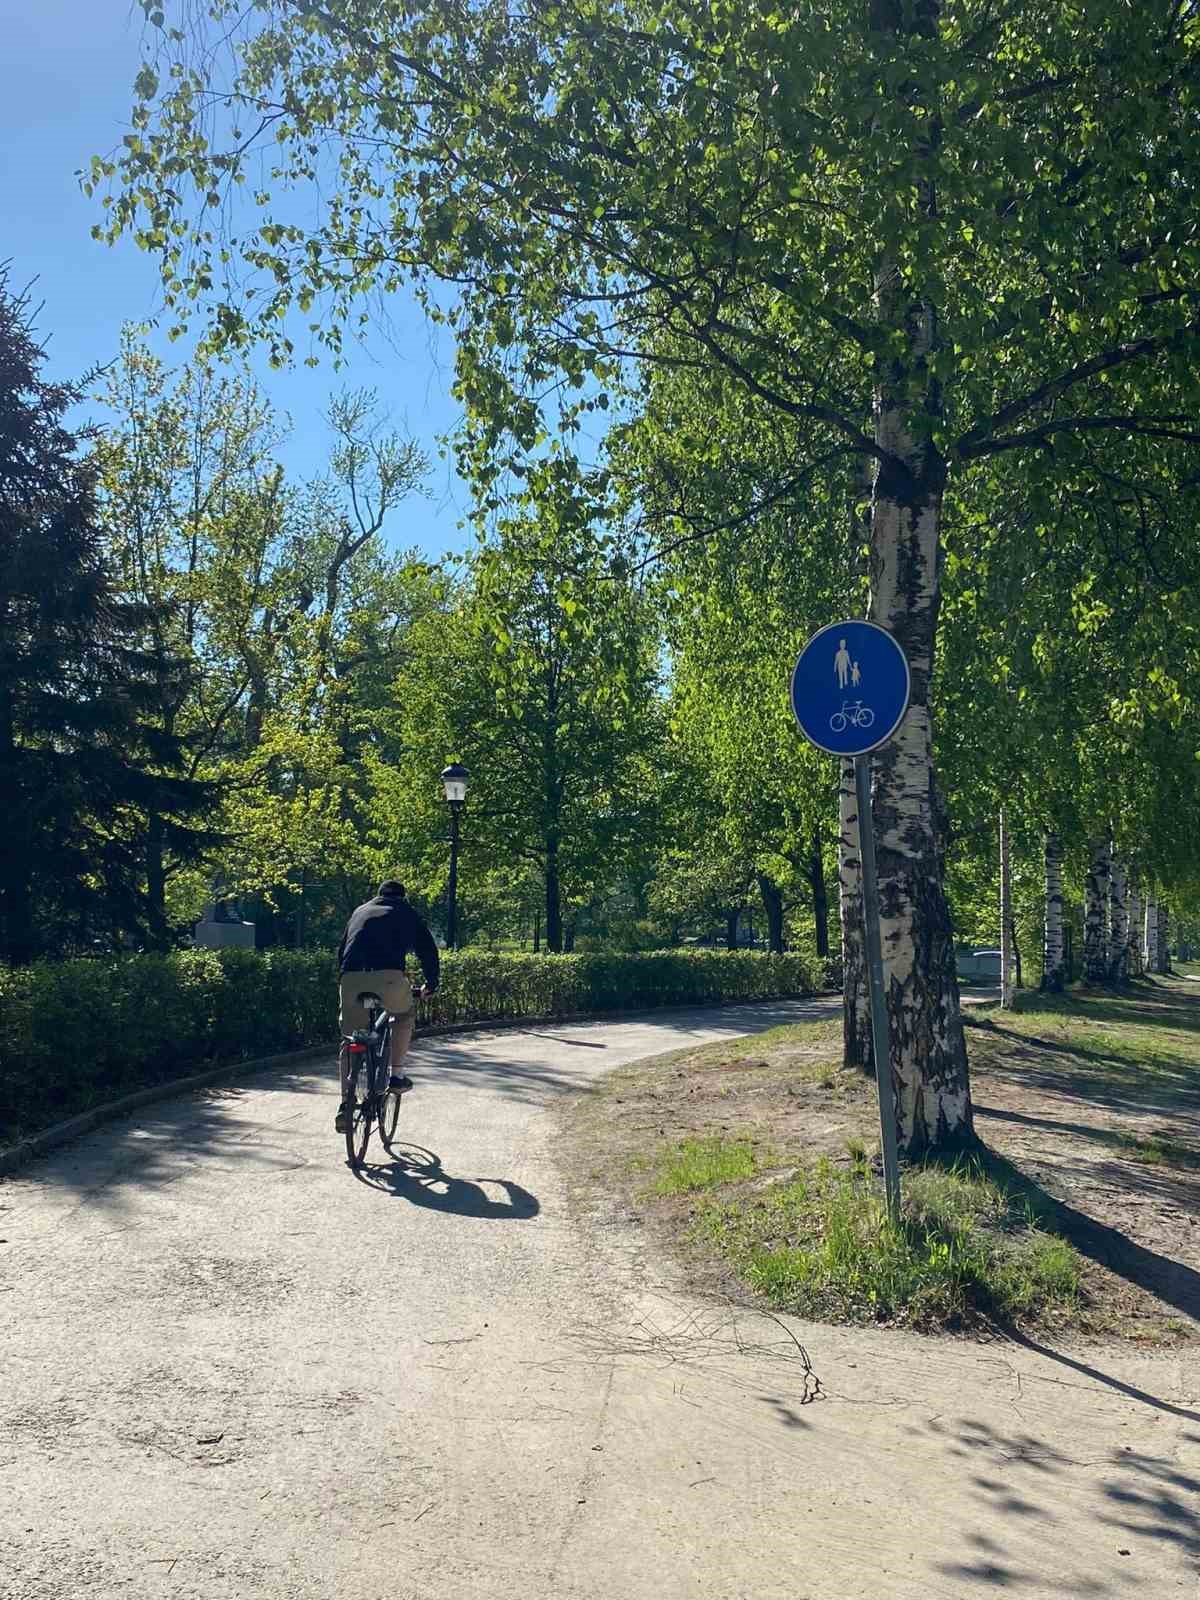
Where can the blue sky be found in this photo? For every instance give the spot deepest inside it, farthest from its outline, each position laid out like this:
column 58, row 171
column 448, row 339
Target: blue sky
column 66, row 67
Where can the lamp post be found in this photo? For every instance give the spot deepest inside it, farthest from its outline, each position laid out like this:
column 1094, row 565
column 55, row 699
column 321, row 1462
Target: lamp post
column 454, row 781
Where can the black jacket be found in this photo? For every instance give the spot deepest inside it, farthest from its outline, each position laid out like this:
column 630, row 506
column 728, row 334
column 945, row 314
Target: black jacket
column 380, row 935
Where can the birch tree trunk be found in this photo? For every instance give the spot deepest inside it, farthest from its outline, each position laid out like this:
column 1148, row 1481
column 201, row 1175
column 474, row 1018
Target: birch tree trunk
column 926, row 1043
column 1133, row 936
column 1150, row 935
column 928, row 1050
column 1118, row 924
column 1054, row 966
column 1006, row 987
column 856, row 1012
column 857, row 1045
column 1162, row 928
column 1095, row 931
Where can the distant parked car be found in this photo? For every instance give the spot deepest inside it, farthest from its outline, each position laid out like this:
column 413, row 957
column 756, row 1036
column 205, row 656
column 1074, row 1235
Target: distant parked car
column 978, row 966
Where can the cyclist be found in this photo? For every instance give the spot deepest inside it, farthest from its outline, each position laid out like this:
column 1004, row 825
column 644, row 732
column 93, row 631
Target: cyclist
column 372, row 955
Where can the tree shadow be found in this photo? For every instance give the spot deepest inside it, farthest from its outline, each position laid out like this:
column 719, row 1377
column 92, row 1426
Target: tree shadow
column 1173, row 1282
column 1169, row 1178
column 1114, row 1137
column 1124, row 1083
column 1143, row 1396
column 416, row 1174
column 554, row 1038
column 158, row 1144
column 1138, row 1503
column 1146, row 1002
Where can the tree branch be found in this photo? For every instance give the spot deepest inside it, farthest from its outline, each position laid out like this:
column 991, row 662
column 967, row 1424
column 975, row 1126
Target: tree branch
column 1144, row 427
column 1119, row 355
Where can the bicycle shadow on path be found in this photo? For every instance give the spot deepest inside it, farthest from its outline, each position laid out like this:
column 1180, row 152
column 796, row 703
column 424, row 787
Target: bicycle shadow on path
column 417, row 1175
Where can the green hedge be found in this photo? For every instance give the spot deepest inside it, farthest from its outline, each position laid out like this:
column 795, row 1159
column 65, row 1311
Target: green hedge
column 75, row 1032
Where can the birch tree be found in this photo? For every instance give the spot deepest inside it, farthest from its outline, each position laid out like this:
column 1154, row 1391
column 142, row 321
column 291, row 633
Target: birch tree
column 1133, row 952
column 1054, row 951
column 1118, row 923
column 931, row 231
column 1095, row 918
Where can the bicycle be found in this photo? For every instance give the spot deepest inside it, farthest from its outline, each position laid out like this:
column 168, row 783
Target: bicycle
column 854, row 715
column 365, row 1064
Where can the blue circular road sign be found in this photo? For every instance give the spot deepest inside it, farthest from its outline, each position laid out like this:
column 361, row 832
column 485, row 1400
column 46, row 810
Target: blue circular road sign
column 850, row 688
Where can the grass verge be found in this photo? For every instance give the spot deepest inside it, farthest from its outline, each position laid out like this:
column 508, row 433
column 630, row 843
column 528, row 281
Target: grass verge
column 751, row 1160
column 962, row 1253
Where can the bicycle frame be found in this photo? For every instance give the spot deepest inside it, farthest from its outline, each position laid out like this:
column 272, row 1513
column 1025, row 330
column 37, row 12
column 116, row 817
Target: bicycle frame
column 376, row 1047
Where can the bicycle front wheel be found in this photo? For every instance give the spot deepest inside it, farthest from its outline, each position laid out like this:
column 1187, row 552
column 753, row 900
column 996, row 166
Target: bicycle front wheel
column 389, row 1117
column 360, row 1106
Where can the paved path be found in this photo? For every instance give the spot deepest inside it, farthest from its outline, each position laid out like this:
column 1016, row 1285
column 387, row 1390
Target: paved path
column 227, row 1369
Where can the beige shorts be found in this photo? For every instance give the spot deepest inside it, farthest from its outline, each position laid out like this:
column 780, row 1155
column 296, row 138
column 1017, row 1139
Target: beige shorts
column 393, row 988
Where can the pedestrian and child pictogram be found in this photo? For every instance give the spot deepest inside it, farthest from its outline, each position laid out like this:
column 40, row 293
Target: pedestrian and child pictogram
column 850, row 687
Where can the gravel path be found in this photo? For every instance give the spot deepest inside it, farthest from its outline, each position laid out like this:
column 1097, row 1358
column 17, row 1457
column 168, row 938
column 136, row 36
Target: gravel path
column 227, row 1368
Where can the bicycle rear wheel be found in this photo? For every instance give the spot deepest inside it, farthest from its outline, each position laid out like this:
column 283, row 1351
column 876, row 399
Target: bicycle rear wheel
column 360, row 1106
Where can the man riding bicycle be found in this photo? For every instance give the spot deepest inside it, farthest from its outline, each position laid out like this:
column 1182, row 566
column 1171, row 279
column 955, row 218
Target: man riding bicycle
column 371, row 957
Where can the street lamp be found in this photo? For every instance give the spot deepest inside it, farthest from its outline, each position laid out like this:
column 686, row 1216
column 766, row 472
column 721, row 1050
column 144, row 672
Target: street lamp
column 454, row 781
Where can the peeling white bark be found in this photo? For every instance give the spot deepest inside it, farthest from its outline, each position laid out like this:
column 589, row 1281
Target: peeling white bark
column 929, row 1060
column 1054, row 964
column 1095, row 914
column 926, row 1043
column 1133, row 932
column 1118, row 923
column 1150, row 935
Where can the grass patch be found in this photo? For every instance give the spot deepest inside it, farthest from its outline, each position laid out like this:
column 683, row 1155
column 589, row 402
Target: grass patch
column 1160, row 1150
column 752, row 1160
column 963, row 1252
column 811, row 1050
column 692, row 1165
column 1147, row 1037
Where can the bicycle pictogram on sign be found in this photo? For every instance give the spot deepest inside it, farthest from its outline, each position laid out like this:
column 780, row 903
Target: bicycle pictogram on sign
column 855, row 715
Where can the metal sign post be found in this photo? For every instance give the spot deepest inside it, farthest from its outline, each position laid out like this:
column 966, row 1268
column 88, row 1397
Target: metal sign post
column 849, row 693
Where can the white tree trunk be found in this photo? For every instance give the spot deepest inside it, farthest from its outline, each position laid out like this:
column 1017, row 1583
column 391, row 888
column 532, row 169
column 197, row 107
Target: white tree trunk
column 926, row 1043
column 856, row 1006
column 1006, row 984
column 1163, row 941
column 1118, row 924
column 928, row 1050
column 1054, row 965
column 1150, row 935
column 1133, row 939
column 1095, row 920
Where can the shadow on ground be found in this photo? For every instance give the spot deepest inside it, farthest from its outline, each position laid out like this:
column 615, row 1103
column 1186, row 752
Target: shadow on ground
column 418, row 1176
column 1137, row 1502
column 156, row 1144
column 1173, row 1282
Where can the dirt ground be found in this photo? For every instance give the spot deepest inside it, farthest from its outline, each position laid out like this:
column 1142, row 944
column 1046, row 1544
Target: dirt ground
column 1088, row 1104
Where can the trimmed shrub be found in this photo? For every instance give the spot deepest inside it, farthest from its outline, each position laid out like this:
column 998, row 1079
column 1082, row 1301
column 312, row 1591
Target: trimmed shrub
column 76, row 1032
column 483, row 986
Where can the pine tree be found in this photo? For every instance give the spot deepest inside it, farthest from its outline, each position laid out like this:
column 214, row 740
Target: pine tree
column 81, row 764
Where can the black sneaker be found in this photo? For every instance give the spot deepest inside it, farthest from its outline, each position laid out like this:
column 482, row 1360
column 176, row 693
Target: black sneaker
column 339, row 1122
column 399, row 1085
